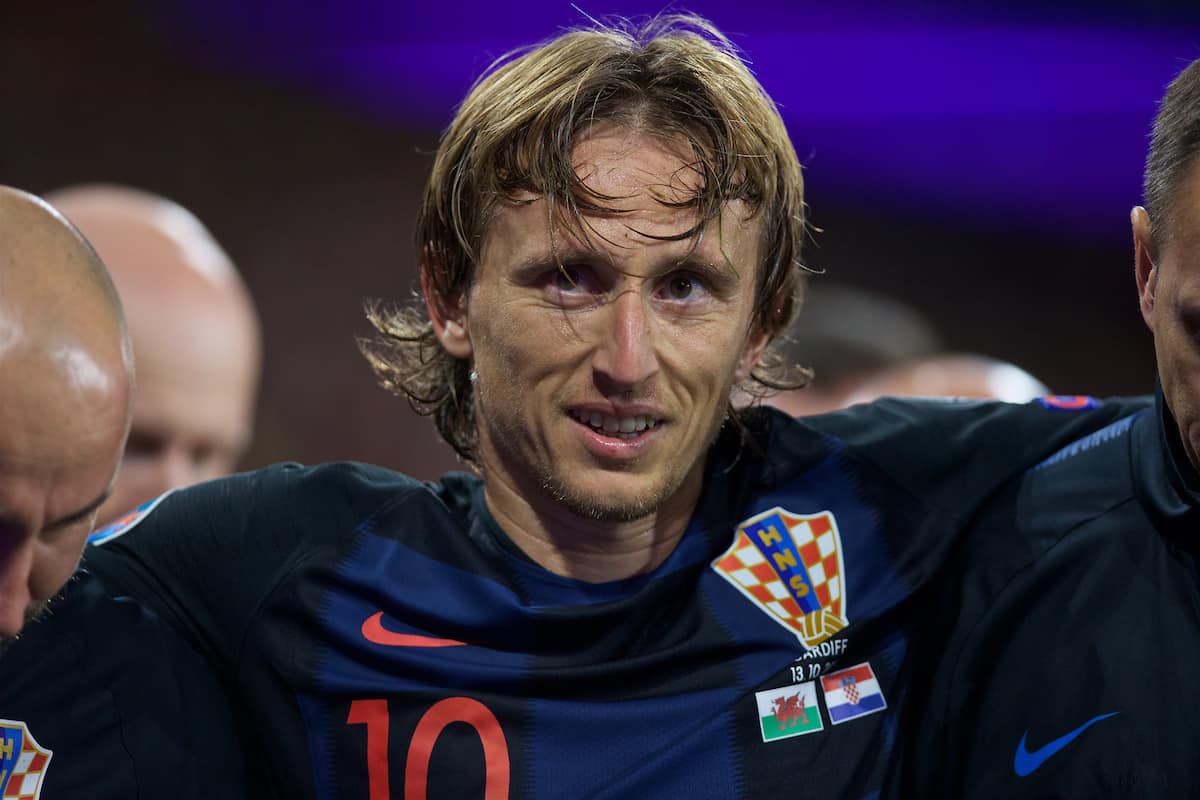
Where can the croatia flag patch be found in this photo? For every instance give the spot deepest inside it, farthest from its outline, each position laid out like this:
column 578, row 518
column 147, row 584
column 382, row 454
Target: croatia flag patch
column 23, row 762
column 851, row 693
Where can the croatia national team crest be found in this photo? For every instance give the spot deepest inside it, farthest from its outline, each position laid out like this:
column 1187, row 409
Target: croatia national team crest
column 23, row 762
column 790, row 566
column 851, row 693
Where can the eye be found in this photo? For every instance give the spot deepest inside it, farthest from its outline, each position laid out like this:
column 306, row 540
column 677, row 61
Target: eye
column 572, row 284
column 566, row 279
column 1190, row 317
column 681, row 286
column 202, row 454
column 144, row 444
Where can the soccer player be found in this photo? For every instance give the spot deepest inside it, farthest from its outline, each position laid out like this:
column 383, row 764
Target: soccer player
column 195, row 338
column 87, row 708
column 65, row 390
column 642, row 593
column 1073, row 635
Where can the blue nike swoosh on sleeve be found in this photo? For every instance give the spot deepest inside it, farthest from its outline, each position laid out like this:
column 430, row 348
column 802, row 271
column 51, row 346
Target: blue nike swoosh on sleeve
column 1025, row 762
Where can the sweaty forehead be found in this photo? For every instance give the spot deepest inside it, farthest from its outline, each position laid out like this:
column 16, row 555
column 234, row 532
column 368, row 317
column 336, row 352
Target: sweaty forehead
column 627, row 167
column 62, row 412
column 637, row 201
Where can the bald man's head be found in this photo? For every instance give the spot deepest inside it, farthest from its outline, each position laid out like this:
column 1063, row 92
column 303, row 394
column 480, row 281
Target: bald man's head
column 952, row 375
column 195, row 336
column 65, row 399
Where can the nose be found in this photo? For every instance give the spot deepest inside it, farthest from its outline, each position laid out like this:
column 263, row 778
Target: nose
column 16, row 564
column 625, row 357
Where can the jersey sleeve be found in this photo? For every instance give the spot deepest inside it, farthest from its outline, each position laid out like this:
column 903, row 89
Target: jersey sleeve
column 201, row 557
column 954, row 454
column 204, row 558
column 112, row 705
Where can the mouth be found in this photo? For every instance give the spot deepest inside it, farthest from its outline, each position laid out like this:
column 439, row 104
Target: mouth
column 620, row 427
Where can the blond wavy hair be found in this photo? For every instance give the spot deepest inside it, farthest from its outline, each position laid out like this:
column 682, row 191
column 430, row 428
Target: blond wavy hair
column 676, row 76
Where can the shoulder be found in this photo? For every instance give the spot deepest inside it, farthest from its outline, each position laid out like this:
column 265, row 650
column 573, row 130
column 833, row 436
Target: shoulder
column 956, row 453
column 320, row 496
column 895, row 419
column 145, row 711
column 1061, row 498
column 1055, row 527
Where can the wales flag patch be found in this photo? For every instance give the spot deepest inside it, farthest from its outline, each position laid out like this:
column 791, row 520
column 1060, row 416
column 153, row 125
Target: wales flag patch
column 790, row 711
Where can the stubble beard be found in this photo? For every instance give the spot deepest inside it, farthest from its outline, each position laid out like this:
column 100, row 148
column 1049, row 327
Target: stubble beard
column 589, row 506
column 538, row 474
column 586, row 504
column 607, row 509
column 32, row 614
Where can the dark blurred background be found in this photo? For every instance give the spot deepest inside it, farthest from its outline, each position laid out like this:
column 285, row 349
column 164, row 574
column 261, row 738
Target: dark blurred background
column 977, row 161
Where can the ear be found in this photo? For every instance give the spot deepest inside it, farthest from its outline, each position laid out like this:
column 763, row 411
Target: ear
column 1144, row 266
column 448, row 314
column 755, row 345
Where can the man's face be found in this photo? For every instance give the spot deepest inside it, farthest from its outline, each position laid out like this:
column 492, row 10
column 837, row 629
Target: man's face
column 1169, row 285
column 58, row 454
column 601, row 389
column 192, row 413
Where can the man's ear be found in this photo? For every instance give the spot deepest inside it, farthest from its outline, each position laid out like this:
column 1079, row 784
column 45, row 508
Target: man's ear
column 448, row 315
column 755, row 345
column 1144, row 264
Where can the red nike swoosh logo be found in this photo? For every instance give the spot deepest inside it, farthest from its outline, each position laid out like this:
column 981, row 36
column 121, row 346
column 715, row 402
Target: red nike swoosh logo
column 374, row 632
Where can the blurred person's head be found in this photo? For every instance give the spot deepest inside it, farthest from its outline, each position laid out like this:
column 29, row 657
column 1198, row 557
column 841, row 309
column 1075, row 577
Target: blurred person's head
column 195, row 337
column 952, row 375
column 1166, row 234
column 847, row 335
column 65, row 395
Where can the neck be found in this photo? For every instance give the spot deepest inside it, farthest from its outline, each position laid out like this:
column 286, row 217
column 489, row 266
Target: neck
column 596, row 551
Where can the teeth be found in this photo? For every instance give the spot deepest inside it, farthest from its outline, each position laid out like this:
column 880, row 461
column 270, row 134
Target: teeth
column 624, row 427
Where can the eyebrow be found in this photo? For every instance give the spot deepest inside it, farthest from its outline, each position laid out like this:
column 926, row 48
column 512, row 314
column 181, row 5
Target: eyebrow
column 71, row 519
column 576, row 255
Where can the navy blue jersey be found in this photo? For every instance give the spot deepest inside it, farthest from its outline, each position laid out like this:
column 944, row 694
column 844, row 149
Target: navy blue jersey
column 1069, row 657
column 387, row 639
column 100, row 700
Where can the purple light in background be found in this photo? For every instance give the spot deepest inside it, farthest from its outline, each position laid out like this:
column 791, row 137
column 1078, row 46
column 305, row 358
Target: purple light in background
column 996, row 122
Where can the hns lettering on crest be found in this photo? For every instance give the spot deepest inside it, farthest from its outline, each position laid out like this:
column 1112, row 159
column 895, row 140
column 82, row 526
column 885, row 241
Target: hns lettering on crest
column 851, row 693
column 790, row 566
column 23, row 762
column 787, row 712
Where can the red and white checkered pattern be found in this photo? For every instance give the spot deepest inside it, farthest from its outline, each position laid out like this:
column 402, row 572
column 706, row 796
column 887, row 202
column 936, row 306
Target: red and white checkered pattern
column 815, row 539
column 25, row 782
